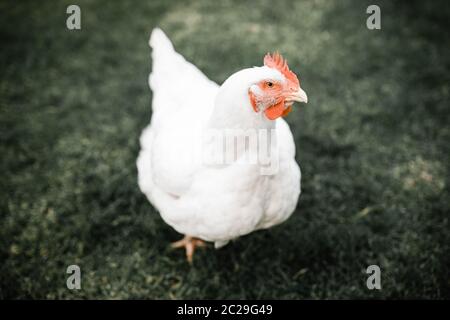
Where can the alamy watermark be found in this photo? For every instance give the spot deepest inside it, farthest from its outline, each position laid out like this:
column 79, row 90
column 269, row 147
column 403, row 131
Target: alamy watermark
column 73, row 21
column 74, row 280
column 222, row 147
column 373, row 22
column 374, row 280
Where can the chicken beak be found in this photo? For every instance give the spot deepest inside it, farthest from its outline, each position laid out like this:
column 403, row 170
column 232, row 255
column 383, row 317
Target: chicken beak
column 299, row 96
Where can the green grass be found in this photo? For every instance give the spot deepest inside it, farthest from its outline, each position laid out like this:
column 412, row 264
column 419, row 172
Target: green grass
column 373, row 144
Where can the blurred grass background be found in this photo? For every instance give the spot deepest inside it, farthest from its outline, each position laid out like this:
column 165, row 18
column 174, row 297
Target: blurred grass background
column 373, row 144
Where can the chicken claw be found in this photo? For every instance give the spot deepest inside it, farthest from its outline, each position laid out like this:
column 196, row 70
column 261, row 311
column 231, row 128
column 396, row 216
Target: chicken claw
column 189, row 243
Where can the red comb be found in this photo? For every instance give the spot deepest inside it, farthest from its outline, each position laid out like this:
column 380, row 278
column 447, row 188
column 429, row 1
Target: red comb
column 276, row 61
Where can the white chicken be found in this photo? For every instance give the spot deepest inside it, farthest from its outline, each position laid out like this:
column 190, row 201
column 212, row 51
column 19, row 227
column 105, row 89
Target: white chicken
column 223, row 200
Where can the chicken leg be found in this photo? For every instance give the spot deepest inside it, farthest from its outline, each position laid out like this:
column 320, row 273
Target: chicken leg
column 189, row 243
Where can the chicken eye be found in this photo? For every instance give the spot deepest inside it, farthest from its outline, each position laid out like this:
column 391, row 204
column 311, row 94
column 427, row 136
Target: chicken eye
column 270, row 84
